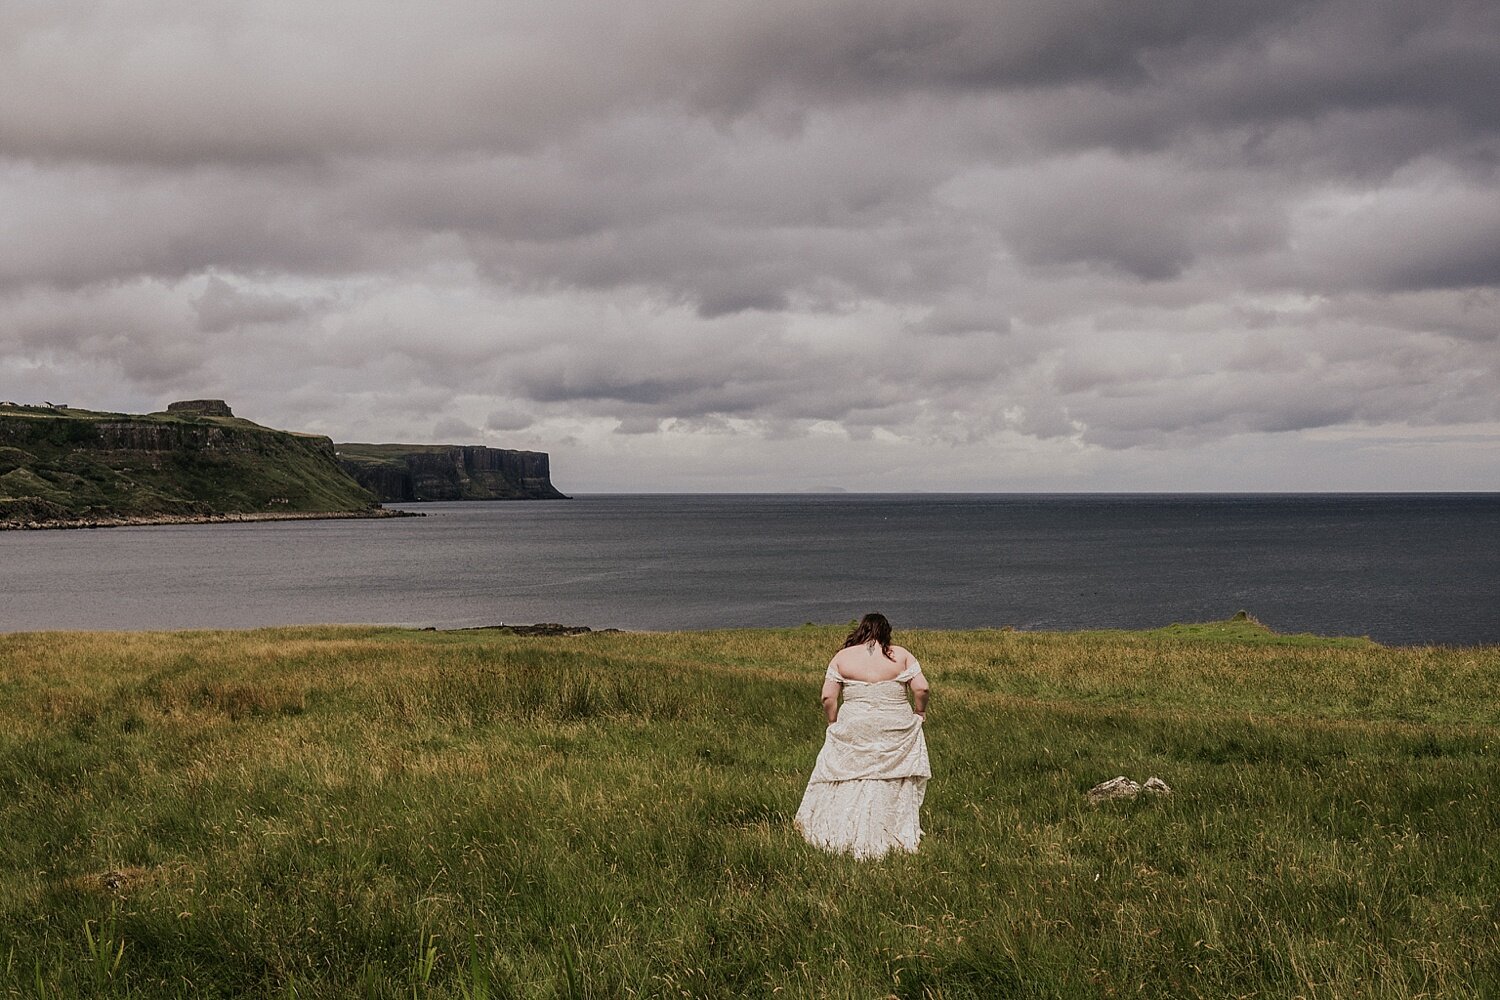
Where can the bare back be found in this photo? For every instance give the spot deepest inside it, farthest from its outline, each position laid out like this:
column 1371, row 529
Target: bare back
column 869, row 663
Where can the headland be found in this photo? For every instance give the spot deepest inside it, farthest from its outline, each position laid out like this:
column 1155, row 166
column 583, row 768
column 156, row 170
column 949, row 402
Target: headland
column 196, row 462
column 408, row 473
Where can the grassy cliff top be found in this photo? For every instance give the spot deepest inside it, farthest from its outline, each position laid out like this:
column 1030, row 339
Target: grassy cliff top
column 394, row 454
column 69, row 466
column 162, row 417
column 386, row 454
column 330, row 812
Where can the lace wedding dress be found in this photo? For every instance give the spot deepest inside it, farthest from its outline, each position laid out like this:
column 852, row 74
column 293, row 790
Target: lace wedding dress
column 867, row 787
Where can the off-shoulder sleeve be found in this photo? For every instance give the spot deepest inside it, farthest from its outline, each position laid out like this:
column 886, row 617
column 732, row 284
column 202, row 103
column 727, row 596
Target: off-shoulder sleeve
column 910, row 672
column 832, row 674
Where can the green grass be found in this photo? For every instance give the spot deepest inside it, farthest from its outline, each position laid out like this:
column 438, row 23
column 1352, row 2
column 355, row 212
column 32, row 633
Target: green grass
column 332, row 812
column 1244, row 628
column 79, row 464
column 393, row 455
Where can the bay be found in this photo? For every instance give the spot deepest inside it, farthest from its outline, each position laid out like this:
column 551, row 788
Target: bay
column 1400, row 568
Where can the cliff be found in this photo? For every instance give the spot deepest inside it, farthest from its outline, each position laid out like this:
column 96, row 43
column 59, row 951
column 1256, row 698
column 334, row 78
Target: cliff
column 398, row 473
column 64, row 466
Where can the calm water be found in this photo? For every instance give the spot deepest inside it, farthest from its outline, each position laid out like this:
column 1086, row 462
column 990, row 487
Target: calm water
column 1399, row 568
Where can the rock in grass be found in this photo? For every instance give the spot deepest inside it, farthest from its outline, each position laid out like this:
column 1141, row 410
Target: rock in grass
column 1123, row 788
column 1115, row 788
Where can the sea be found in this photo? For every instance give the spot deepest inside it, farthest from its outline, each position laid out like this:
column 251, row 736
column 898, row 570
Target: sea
column 1399, row 568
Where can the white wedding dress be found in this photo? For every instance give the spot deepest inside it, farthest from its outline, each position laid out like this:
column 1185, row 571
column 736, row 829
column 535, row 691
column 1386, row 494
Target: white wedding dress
column 867, row 787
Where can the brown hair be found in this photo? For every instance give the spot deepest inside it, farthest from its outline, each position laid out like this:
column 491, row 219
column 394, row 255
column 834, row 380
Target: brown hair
column 871, row 628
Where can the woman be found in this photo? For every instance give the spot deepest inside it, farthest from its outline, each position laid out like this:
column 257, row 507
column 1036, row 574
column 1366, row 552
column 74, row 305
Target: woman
column 872, row 772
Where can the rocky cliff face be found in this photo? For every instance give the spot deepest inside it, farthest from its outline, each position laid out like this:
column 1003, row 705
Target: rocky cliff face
column 153, row 443
column 405, row 473
column 201, row 407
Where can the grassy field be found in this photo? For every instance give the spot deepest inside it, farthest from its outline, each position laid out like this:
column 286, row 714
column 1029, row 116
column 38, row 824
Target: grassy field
column 332, row 812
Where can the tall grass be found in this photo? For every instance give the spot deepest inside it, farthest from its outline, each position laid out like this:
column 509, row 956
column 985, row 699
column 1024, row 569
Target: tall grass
column 331, row 812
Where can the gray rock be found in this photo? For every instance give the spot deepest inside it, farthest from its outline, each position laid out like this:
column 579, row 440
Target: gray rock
column 1158, row 786
column 201, row 407
column 1115, row 788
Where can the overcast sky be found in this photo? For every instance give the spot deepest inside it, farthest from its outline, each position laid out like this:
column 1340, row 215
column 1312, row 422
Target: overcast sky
column 781, row 245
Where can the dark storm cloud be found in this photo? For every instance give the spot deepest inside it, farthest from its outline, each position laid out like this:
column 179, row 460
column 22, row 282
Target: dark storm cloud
column 1084, row 223
column 854, row 50
column 1319, row 81
column 260, row 83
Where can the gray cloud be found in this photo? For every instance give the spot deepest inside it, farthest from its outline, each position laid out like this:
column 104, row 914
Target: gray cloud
column 514, row 419
column 1027, row 235
column 1437, row 234
column 223, row 306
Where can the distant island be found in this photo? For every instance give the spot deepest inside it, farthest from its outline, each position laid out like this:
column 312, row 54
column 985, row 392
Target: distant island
column 195, row 462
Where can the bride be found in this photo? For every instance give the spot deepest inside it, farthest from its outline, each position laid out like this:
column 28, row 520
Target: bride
column 867, row 786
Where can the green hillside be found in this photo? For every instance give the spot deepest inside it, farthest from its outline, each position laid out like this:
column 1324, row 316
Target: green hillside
column 67, row 465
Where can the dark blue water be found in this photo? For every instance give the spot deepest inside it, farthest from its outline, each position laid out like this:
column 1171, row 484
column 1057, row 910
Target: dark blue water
column 1400, row 568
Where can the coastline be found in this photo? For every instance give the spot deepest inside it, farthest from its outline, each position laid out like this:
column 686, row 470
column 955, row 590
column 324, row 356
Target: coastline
column 145, row 520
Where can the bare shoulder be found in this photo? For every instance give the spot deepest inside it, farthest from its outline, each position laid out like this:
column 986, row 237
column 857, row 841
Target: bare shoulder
column 902, row 655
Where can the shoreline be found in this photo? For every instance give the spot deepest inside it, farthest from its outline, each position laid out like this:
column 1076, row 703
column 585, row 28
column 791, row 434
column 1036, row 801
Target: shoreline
column 147, row 520
column 1227, row 633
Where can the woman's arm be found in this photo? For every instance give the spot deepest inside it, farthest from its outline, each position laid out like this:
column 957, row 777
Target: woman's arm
column 831, row 701
column 919, row 690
